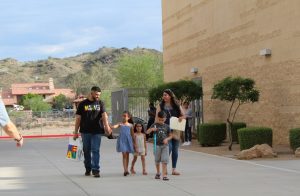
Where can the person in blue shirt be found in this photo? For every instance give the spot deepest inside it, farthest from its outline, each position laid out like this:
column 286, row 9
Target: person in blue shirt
column 9, row 127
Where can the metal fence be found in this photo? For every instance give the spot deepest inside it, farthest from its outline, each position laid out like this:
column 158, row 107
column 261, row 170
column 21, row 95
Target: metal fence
column 136, row 102
column 43, row 123
column 133, row 100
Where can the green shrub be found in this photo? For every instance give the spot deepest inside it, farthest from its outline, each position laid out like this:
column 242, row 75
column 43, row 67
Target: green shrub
column 211, row 134
column 235, row 127
column 250, row 136
column 294, row 138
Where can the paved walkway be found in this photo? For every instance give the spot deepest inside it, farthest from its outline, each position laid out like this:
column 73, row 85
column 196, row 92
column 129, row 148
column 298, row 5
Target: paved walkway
column 40, row 169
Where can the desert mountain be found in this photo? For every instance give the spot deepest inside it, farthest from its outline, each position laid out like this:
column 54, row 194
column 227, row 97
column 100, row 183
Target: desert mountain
column 13, row 71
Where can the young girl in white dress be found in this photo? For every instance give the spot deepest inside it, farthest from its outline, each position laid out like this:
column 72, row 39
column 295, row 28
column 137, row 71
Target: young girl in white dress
column 140, row 147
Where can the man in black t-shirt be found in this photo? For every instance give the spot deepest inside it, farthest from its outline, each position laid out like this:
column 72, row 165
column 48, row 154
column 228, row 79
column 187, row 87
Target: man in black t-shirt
column 91, row 122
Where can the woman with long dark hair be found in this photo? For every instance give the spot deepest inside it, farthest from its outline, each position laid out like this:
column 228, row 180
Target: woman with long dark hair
column 170, row 105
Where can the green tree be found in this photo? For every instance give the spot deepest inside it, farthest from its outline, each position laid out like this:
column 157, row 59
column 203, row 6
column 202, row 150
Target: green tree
column 106, row 98
column 79, row 82
column 140, row 70
column 237, row 91
column 35, row 103
column 100, row 76
column 25, row 97
column 185, row 90
column 60, row 101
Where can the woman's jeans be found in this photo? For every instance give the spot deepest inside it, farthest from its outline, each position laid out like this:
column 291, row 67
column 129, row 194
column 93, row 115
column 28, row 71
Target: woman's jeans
column 173, row 148
column 91, row 150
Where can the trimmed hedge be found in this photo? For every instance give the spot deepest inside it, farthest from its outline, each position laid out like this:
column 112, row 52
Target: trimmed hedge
column 211, row 134
column 235, row 127
column 294, row 137
column 250, row 136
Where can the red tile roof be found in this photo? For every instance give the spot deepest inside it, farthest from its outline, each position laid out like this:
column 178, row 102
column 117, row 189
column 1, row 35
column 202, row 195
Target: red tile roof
column 34, row 88
column 9, row 97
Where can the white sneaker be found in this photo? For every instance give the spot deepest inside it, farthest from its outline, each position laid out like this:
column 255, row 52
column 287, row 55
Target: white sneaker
column 188, row 143
column 185, row 144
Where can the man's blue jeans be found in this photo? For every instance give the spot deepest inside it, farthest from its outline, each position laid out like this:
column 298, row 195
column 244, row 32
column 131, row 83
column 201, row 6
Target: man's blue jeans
column 173, row 148
column 91, row 150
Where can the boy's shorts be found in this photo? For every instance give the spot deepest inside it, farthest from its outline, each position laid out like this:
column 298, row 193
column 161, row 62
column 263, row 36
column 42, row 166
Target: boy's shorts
column 162, row 154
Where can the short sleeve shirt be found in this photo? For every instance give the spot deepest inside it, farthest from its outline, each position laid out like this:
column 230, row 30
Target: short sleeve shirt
column 4, row 119
column 163, row 131
column 91, row 113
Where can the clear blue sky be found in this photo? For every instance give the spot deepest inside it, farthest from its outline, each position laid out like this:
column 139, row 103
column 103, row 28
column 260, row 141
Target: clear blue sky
column 37, row 29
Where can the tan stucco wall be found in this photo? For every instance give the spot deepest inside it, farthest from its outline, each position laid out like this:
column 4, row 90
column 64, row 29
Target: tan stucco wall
column 223, row 38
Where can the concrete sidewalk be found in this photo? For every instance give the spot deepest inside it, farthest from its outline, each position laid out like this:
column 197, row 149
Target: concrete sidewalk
column 40, row 169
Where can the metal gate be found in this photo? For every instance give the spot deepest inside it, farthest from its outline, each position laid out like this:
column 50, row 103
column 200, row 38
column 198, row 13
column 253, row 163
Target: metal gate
column 133, row 100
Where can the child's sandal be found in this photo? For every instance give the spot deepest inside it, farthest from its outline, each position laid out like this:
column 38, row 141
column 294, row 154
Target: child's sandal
column 165, row 178
column 157, row 176
column 145, row 173
column 132, row 171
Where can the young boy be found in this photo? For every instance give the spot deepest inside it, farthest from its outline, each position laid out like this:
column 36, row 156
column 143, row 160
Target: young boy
column 163, row 135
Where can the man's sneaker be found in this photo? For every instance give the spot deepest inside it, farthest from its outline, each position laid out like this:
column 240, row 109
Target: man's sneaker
column 87, row 172
column 188, row 143
column 96, row 174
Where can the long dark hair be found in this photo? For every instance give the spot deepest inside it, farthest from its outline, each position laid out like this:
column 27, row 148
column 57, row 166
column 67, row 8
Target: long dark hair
column 135, row 125
column 129, row 115
column 174, row 102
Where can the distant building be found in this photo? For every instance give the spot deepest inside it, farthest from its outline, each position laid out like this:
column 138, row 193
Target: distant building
column 46, row 89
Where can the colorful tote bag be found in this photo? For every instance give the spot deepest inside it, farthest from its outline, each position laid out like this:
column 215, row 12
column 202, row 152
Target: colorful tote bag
column 75, row 151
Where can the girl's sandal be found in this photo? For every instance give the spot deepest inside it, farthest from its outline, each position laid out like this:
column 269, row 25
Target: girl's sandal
column 132, row 171
column 165, row 178
column 145, row 173
column 157, row 176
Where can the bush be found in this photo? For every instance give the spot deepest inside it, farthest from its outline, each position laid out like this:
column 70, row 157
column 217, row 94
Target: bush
column 294, row 138
column 249, row 137
column 234, row 128
column 211, row 134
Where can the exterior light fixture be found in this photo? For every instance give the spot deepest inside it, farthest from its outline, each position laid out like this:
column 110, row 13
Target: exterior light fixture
column 194, row 70
column 265, row 52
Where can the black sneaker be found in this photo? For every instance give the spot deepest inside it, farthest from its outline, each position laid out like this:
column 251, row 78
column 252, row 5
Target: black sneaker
column 96, row 174
column 87, row 172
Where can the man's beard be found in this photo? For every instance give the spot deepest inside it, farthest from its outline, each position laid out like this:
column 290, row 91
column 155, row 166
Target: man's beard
column 95, row 98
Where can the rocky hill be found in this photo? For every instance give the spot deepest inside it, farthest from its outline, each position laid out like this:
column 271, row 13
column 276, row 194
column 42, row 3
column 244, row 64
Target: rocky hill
column 13, row 71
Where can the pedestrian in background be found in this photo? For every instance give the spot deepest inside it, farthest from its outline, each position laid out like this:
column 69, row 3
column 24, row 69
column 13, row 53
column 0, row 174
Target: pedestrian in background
column 151, row 120
column 188, row 125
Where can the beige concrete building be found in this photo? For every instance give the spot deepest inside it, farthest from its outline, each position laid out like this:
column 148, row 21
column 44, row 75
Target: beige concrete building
column 224, row 38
